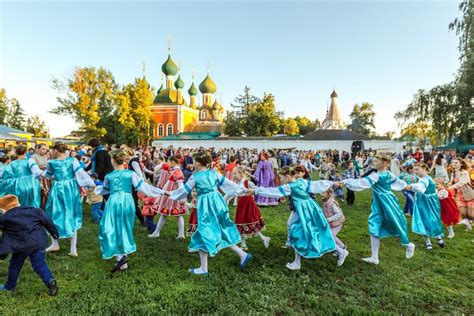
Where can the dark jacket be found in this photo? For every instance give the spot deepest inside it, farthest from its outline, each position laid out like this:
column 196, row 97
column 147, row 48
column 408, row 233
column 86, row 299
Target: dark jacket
column 103, row 164
column 24, row 230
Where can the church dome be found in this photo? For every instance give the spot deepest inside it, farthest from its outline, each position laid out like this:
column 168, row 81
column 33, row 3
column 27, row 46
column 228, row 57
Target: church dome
column 207, row 85
column 216, row 106
column 179, row 84
column 333, row 94
column 160, row 89
column 169, row 68
column 193, row 91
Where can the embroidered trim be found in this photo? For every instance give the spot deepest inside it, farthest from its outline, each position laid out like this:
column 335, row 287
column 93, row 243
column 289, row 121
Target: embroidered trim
column 280, row 188
column 308, row 185
column 187, row 188
column 139, row 184
column 77, row 169
column 221, row 181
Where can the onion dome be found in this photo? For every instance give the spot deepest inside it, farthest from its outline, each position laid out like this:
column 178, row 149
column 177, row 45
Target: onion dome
column 216, row 106
column 333, row 94
column 207, row 85
column 160, row 89
column 169, row 68
column 179, row 84
column 193, row 91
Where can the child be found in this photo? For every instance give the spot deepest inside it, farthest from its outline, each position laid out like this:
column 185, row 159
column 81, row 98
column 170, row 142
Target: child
column 449, row 209
column 95, row 200
column 427, row 210
column 24, row 235
column 334, row 215
column 350, row 173
column 409, row 176
column 230, row 167
column 148, row 212
column 188, row 172
column 192, row 224
column 338, row 191
column 248, row 218
column 164, row 175
column 215, row 230
column 309, row 234
column 323, row 171
column 116, row 226
column 386, row 218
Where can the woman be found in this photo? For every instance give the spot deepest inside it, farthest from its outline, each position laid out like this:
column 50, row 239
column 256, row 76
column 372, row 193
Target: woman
column 439, row 166
column 41, row 159
column 265, row 178
column 272, row 159
column 461, row 184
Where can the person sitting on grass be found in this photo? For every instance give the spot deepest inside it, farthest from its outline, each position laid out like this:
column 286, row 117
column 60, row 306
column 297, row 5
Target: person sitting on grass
column 24, row 236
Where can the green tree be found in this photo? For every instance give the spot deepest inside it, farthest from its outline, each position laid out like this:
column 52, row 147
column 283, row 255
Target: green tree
column 305, row 125
column 262, row 118
column 91, row 96
column 36, row 126
column 421, row 132
column 290, row 127
column 235, row 120
column 233, row 126
column 363, row 119
column 16, row 115
column 3, row 106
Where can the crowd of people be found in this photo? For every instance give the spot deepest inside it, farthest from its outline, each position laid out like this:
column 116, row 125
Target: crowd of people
column 123, row 184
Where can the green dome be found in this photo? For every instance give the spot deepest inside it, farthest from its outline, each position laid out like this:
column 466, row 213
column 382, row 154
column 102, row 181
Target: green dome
column 160, row 89
column 207, row 85
column 179, row 84
column 216, row 106
column 193, row 91
column 169, row 68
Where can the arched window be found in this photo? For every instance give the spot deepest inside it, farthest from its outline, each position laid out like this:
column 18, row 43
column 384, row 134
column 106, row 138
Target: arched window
column 169, row 129
column 204, row 114
column 161, row 130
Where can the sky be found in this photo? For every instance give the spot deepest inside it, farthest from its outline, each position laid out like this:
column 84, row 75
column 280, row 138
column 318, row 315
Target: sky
column 380, row 52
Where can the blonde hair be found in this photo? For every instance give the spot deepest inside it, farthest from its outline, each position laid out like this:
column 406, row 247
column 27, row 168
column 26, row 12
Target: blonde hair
column 120, row 156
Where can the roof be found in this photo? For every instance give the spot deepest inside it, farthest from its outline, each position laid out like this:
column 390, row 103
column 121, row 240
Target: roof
column 193, row 136
column 168, row 96
column 458, row 145
column 207, row 85
column 6, row 136
column 335, row 134
column 169, row 68
column 216, row 127
column 8, row 130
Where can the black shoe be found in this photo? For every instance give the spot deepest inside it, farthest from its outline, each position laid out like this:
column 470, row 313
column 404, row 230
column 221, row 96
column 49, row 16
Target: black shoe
column 119, row 264
column 53, row 287
column 441, row 243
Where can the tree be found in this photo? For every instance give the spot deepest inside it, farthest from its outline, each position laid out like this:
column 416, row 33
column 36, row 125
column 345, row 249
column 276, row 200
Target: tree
column 16, row 115
column 363, row 119
column 233, row 126
column 389, row 134
column 3, row 106
column 91, row 96
column 262, row 118
column 235, row 120
column 290, row 127
column 244, row 102
column 305, row 125
column 423, row 133
column 134, row 111
column 36, row 126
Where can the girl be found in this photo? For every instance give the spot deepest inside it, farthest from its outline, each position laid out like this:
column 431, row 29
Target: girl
column 386, row 218
column 164, row 175
column 309, row 234
column 334, row 215
column 449, row 209
column 20, row 178
column 116, row 225
column 215, row 230
column 461, row 184
column 230, row 167
column 148, row 212
column 427, row 210
column 41, row 159
column 167, row 207
column 439, row 166
column 409, row 177
column 192, row 224
column 64, row 205
column 265, row 176
column 248, row 218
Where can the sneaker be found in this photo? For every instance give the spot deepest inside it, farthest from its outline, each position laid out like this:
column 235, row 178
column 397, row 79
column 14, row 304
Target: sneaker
column 451, row 236
column 153, row 235
column 410, row 251
column 52, row 287
column 441, row 243
column 342, row 258
column 371, row 260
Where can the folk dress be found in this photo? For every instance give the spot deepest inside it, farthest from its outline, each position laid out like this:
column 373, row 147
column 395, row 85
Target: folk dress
column 64, row 204
column 386, row 218
column 309, row 232
column 449, row 209
column 265, row 177
column 20, row 178
column 116, row 225
column 192, row 224
column 248, row 218
column 427, row 210
column 164, row 205
column 215, row 230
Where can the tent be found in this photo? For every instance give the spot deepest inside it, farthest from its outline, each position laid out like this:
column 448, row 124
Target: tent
column 457, row 145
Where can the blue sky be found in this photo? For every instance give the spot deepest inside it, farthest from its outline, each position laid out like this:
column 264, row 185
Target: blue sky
column 375, row 51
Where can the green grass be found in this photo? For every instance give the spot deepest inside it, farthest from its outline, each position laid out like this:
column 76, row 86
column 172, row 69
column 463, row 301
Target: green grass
column 157, row 281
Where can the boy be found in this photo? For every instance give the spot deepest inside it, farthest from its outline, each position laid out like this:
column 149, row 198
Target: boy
column 24, row 236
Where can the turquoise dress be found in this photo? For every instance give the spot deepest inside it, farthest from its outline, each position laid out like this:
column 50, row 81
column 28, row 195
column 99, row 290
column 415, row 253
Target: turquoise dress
column 386, row 218
column 20, row 178
column 64, row 205
column 309, row 232
column 427, row 210
column 116, row 225
column 215, row 230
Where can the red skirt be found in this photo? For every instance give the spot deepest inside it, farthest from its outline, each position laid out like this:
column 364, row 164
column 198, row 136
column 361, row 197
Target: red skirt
column 449, row 211
column 248, row 219
column 166, row 206
column 192, row 224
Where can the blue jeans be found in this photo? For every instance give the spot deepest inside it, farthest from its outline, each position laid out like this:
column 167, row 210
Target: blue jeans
column 96, row 211
column 410, row 202
column 37, row 259
column 150, row 225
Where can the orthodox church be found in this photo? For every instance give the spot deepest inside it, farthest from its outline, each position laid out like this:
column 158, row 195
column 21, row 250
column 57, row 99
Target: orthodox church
column 172, row 114
column 333, row 118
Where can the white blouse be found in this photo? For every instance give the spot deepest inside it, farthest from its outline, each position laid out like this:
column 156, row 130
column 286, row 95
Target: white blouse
column 367, row 182
column 285, row 190
column 137, row 183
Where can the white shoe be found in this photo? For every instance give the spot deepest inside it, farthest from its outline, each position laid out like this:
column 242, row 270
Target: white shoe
column 293, row 266
column 342, row 258
column 73, row 254
column 52, row 248
column 466, row 223
column 371, row 260
column 266, row 242
column 180, row 238
column 410, row 251
column 154, row 235
column 451, row 236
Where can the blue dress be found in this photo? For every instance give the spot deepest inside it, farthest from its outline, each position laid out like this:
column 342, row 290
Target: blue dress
column 386, row 218
column 215, row 230
column 427, row 210
column 20, row 178
column 64, row 205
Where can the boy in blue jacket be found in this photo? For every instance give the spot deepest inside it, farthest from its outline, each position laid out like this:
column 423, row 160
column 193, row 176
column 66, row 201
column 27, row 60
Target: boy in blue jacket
column 24, row 236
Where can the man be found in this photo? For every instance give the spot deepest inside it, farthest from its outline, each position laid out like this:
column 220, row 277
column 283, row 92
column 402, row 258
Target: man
column 100, row 161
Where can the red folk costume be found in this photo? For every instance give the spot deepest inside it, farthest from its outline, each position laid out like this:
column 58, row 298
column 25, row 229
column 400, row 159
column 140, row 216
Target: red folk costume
column 148, row 201
column 228, row 171
column 164, row 175
column 449, row 209
column 192, row 224
column 248, row 219
column 164, row 205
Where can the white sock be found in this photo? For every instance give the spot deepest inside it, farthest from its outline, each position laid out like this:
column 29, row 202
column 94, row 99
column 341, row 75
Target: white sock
column 54, row 245
column 243, row 244
column 159, row 225
column 180, row 227
column 242, row 254
column 450, row 230
column 375, row 245
column 262, row 237
column 203, row 258
column 297, row 261
column 74, row 243
column 427, row 240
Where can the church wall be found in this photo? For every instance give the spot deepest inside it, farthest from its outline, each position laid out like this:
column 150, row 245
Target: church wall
column 165, row 117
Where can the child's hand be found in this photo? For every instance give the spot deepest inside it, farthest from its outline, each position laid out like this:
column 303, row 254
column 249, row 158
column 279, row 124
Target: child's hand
column 408, row 188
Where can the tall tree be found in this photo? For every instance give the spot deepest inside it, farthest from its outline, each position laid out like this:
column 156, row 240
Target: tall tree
column 90, row 98
column 262, row 119
column 305, row 125
column 363, row 119
column 290, row 127
column 3, row 106
column 233, row 126
column 36, row 126
column 16, row 115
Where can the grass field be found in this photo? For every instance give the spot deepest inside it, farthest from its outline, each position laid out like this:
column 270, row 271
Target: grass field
column 157, row 281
